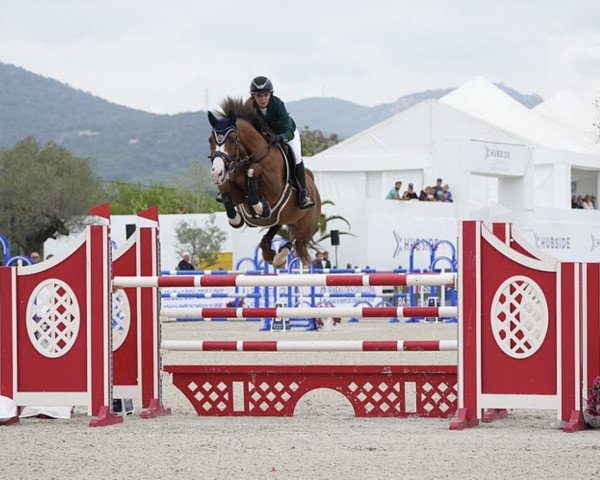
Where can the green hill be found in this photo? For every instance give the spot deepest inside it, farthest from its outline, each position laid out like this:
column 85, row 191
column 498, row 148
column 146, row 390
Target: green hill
column 127, row 144
column 138, row 146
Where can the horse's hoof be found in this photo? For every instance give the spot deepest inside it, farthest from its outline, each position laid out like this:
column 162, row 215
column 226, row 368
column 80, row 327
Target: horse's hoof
column 280, row 259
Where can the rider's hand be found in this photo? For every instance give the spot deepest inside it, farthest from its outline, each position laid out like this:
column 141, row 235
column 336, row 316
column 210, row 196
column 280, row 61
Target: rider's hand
column 272, row 138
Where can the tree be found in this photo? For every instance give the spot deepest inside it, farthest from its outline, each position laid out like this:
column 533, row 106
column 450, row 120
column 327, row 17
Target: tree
column 323, row 228
column 128, row 199
column 198, row 179
column 314, row 141
column 203, row 243
column 45, row 192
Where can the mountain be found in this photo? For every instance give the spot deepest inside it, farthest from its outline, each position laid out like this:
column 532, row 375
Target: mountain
column 345, row 118
column 139, row 146
column 127, row 144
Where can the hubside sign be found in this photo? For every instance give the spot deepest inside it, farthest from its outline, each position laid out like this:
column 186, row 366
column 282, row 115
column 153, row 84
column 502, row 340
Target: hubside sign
column 492, row 158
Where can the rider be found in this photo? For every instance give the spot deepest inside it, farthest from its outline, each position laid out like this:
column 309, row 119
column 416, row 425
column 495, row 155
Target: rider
column 272, row 110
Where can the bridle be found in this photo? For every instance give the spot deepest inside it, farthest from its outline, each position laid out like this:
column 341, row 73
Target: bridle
column 241, row 159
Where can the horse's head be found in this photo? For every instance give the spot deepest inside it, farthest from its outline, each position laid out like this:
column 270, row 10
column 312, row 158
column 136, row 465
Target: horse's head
column 225, row 146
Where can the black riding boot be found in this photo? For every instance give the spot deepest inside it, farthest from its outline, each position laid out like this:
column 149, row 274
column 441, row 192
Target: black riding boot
column 304, row 200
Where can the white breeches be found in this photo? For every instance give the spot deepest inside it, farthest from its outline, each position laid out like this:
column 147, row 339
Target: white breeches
column 296, row 147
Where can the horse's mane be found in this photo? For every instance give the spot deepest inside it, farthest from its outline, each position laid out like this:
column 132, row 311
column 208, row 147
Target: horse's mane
column 241, row 109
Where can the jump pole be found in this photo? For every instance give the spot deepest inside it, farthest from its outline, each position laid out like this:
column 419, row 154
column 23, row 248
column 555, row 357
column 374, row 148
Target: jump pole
column 309, row 346
column 309, row 312
column 288, row 280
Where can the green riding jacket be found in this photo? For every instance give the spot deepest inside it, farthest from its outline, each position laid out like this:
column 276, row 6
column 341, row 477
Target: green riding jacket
column 277, row 118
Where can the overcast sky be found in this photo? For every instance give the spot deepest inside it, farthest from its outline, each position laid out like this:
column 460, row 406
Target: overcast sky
column 185, row 55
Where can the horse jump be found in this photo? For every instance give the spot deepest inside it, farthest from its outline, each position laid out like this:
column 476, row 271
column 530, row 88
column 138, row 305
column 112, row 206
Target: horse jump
column 504, row 286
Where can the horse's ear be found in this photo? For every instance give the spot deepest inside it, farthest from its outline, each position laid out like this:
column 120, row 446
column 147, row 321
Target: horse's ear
column 212, row 119
column 232, row 118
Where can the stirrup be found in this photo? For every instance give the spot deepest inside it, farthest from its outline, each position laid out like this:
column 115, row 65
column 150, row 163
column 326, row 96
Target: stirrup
column 219, row 197
column 304, row 200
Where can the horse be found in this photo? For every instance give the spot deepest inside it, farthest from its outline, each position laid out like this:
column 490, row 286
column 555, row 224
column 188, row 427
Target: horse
column 256, row 182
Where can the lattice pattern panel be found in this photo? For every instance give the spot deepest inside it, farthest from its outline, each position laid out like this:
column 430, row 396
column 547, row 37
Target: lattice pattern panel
column 519, row 317
column 121, row 318
column 438, row 397
column 53, row 318
column 272, row 393
column 210, row 398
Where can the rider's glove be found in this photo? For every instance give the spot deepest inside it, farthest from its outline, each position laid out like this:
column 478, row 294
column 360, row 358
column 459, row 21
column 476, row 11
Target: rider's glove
column 273, row 138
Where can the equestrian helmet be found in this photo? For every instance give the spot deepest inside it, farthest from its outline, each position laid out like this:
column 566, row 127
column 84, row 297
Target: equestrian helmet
column 261, row 85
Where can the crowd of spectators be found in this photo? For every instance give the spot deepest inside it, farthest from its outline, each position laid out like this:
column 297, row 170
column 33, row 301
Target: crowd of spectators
column 440, row 192
column 584, row 202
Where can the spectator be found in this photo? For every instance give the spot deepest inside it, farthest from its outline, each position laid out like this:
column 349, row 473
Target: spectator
column 394, row 193
column 447, row 194
column 35, row 257
column 185, row 263
column 587, row 203
column 348, row 266
column 593, row 197
column 438, row 190
column 579, row 202
column 326, row 262
column 574, row 202
column 427, row 195
column 410, row 194
column 318, row 261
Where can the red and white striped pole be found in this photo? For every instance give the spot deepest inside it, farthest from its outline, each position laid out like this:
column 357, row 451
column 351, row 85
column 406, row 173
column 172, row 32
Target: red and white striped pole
column 309, row 312
column 289, row 280
column 309, row 346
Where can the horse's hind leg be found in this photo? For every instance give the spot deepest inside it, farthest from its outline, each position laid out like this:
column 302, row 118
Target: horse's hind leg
column 265, row 244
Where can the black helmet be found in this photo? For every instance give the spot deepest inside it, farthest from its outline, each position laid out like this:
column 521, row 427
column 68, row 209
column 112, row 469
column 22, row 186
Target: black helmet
column 261, row 85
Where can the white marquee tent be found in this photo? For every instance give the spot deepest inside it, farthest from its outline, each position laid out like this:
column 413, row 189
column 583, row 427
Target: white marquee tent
column 446, row 138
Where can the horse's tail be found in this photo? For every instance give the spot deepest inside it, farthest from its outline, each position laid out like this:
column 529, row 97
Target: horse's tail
column 302, row 250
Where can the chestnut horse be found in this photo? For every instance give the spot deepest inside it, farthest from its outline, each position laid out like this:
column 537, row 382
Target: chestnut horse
column 257, row 183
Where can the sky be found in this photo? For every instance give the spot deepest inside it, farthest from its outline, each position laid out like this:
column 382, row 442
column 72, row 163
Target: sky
column 186, row 55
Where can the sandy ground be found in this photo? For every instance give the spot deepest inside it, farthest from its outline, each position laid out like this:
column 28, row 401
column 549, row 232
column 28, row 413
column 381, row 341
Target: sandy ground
column 323, row 440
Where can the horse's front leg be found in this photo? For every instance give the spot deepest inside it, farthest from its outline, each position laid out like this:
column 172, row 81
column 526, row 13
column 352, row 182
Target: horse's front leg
column 233, row 216
column 260, row 206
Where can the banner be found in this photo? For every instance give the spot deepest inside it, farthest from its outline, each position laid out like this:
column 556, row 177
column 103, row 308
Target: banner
column 395, row 236
column 491, row 158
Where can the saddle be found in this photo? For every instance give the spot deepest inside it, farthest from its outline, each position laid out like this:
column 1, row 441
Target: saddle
column 248, row 213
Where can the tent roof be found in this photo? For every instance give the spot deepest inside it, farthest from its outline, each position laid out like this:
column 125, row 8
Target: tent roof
column 568, row 110
column 478, row 109
column 484, row 100
column 399, row 142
